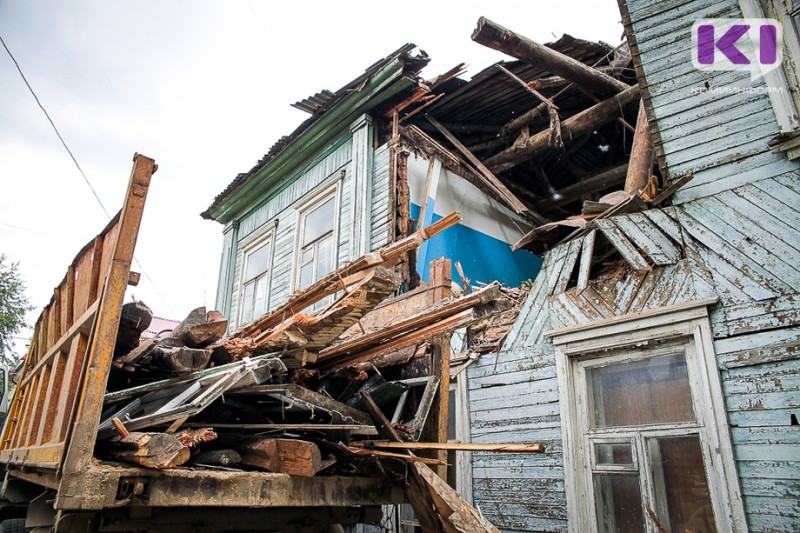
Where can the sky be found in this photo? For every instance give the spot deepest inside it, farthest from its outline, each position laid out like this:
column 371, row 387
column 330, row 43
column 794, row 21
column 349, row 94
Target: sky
column 204, row 88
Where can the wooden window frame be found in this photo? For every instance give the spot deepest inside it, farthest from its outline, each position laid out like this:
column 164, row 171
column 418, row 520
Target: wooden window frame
column 315, row 199
column 246, row 248
column 640, row 336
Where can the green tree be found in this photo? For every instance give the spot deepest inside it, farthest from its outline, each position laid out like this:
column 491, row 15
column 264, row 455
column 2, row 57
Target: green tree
column 13, row 306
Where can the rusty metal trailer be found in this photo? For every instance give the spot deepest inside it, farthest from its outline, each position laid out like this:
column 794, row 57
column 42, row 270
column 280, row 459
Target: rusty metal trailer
column 47, row 449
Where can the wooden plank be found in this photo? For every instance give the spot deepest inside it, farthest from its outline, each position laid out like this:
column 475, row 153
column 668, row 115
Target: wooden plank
column 455, row 446
column 648, row 238
column 587, row 253
column 622, row 244
column 491, row 180
column 570, row 259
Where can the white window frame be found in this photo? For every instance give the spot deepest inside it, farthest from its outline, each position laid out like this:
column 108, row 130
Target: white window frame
column 246, row 248
column 643, row 335
column 332, row 188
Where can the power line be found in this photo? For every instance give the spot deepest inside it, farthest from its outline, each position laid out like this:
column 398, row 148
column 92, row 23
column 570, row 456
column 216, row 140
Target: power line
column 85, row 178
column 46, row 114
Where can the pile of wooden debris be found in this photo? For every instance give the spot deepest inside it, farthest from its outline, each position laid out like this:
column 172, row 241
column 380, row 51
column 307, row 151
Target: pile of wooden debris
column 295, row 392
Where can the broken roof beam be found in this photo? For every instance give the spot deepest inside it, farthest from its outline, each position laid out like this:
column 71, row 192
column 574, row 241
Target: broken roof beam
column 491, row 180
column 606, row 179
column 640, row 165
column 495, row 36
column 577, row 125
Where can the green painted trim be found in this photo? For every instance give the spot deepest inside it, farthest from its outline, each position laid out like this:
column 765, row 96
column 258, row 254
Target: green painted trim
column 299, row 174
column 383, row 85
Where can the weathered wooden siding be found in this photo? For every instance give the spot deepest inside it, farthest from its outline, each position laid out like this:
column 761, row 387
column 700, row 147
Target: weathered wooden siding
column 381, row 219
column 742, row 245
column 279, row 209
column 720, row 136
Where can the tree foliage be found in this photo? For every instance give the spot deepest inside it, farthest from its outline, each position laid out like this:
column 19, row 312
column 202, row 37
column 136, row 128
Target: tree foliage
column 13, row 306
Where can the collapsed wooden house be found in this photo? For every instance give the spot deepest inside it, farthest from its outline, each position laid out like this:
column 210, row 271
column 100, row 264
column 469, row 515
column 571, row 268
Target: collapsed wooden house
column 655, row 352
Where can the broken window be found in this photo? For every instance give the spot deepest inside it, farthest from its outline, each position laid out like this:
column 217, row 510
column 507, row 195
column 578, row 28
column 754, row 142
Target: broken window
column 643, row 411
column 255, row 280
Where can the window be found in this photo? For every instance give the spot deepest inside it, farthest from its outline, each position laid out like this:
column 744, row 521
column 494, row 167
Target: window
column 645, row 433
column 255, row 279
column 316, row 246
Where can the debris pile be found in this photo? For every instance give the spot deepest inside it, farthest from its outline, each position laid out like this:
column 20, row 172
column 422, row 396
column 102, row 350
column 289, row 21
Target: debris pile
column 291, row 392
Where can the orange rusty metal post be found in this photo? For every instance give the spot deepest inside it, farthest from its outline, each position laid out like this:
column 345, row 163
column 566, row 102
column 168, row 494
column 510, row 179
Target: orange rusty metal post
column 83, row 432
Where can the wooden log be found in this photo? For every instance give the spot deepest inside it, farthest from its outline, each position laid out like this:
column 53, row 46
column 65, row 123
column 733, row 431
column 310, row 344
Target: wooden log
column 571, row 128
column 196, row 436
column 201, row 328
column 288, row 456
column 181, row 359
column 134, row 319
column 151, row 450
column 218, row 458
column 497, row 37
column 640, row 165
column 138, row 353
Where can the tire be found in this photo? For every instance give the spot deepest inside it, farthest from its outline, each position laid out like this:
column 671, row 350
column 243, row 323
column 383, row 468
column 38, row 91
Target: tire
column 13, row 525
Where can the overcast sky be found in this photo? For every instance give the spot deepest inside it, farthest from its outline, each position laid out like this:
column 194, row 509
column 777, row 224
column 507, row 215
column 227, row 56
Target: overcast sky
column 203, row 88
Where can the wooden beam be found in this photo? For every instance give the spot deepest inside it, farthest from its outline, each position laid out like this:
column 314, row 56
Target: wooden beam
column 611, row 177
column 491, row 180
column 497, row 37
column 577, row 125
column 456, row 446
column 640, row 164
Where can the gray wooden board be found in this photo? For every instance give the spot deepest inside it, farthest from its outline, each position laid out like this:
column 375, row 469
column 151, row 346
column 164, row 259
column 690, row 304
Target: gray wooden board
column 622, row 244
column 648, row 238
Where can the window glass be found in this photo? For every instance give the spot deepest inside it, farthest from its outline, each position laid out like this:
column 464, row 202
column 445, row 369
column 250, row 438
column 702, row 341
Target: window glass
column 618, row 500
column 257, row 262
column 318, row 221
column 325, row 257
column 679, row 479
column 613, row 454
column 247, row 303
column 649, row 391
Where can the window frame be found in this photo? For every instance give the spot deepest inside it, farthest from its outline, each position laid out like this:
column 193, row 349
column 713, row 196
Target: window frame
column 246, row 249
column 305, row 206
column 633, row 337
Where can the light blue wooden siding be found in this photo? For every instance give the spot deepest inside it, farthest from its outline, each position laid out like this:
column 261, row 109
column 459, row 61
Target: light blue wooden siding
column 721, row 137
column 279, row 208
column 380, row 226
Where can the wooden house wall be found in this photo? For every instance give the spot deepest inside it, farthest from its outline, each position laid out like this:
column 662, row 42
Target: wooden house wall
column 279, row 212
column 742, row 246
column 719, row 136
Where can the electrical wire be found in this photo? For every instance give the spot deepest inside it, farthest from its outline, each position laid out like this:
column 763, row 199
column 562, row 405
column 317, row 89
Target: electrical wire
column 77, row 165
column 50, row 120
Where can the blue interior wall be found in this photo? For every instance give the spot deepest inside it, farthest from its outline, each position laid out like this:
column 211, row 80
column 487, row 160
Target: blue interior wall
column 483, row 258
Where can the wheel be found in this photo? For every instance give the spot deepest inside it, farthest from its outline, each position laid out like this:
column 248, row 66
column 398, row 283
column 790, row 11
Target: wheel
column 13, row 525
